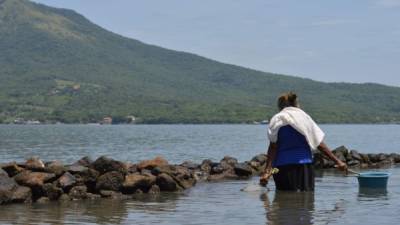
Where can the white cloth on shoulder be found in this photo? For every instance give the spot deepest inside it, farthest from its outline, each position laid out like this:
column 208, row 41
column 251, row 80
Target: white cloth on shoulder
column 300, row 121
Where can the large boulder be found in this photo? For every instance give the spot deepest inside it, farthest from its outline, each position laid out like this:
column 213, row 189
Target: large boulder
column 7, row 186
column 166, row 183
column 33, row 179
column 34, row 164
column 88, row 178
column 138, row 181
column 229, row 161
column 66, row 181
column 55, row 167
column 104, row 164
column 243, row 170
column 183, row 176
column 355, row 155
column 111, row 181
column 22, row 194
column 341, row 153
column 152, row 163
column 78, row 192
column 3, row 172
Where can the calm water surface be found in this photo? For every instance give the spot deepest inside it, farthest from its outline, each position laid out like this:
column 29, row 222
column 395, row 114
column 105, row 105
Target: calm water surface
column 336, row 200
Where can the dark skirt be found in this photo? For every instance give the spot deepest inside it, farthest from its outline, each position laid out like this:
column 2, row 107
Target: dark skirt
column 295, row 177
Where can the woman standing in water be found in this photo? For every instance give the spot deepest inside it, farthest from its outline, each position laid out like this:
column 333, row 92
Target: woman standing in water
column 293, row 134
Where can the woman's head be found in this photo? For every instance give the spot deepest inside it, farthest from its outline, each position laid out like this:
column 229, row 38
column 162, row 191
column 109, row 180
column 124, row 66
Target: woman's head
column 288, row 99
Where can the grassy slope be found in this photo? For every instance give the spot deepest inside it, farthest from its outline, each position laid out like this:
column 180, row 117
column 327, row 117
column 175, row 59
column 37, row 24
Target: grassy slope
column 47, row 52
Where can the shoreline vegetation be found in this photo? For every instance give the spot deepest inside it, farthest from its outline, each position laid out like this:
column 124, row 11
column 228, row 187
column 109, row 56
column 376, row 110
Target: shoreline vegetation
column 35, row 181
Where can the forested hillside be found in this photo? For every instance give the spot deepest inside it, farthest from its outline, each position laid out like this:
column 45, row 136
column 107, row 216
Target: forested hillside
column 55, row 65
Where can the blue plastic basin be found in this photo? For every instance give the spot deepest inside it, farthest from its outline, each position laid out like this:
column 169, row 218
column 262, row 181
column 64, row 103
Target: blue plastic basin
column 373, row 180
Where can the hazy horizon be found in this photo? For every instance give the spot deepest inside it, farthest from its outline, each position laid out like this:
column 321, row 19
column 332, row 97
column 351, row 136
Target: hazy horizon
column 339, row 41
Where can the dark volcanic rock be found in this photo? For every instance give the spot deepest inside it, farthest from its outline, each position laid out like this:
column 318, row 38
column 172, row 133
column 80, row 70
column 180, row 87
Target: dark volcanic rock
column 66, row 181
column 218, row 169
column 55, row 167
column 229, row 160
column 12, row 169
column 166, row 183
column 52, row 191
column 85, row 161
column 190, row 165
column 33, row 179
column 137, row 181
column 110, row 181
column 395, row 157
column 182, row 176
column 78, row 192
column 365, row 158
column 355, row 155
column 261, row 158
column 206, row 166
column 341, row 153
column 152, row 163
column 3, row 172
column 73, row 169
column 243, row 170
column 374, row 158
column 7, row 185
column 22, row 194
column 104, row 164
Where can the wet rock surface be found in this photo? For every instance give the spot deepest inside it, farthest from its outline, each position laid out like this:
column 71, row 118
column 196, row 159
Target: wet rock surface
column 36, row 181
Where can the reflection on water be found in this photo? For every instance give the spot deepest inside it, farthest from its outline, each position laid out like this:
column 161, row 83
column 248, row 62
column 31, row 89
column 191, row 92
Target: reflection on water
column 101, row 211
column 291, row 208
column 370, row 194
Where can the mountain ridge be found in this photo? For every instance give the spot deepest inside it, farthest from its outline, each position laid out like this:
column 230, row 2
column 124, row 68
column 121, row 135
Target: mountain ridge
column 59, row 66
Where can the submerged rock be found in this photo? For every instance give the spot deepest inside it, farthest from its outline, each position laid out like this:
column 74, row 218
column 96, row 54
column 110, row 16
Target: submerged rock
column 137, row 181
column 166, row 183
column 78, row 192
column 52, row 191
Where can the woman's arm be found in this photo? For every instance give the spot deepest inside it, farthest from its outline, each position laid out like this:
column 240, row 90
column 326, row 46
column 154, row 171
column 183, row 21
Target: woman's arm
column 324, row 148
column 273, row 147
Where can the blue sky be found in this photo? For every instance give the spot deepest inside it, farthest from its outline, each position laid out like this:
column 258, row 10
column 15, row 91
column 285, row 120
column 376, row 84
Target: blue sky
column 340, row 40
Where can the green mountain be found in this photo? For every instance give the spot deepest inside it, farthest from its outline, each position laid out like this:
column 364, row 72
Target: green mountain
column 55, row 65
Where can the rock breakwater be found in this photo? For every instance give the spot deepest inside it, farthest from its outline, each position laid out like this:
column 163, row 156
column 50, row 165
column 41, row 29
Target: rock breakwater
column 38, row 181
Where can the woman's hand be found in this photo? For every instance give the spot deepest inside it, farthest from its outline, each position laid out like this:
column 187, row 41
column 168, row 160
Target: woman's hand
column 341, row 166
column 265, row 177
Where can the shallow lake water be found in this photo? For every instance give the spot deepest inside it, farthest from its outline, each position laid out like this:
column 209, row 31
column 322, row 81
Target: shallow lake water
column 336, row 200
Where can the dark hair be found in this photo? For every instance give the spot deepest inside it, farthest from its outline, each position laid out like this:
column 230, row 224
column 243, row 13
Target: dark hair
column 288, row 99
